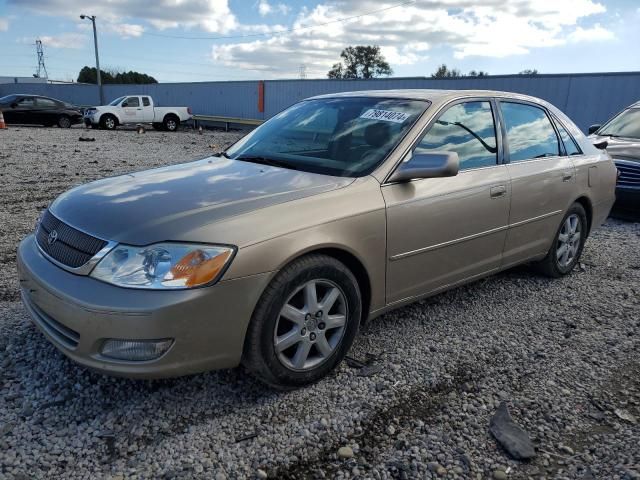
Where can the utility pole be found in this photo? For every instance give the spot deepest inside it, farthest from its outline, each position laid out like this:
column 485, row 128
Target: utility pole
column 95, row 44
column 41, row 67
column 303, row 71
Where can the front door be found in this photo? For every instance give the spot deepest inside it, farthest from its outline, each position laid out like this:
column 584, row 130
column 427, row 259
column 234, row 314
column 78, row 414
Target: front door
column 443, row 231
column 542, row 179
column 132, row 110
column 23, row 111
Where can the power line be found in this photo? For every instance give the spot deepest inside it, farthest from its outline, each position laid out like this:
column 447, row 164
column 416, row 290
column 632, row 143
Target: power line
column 278, row 32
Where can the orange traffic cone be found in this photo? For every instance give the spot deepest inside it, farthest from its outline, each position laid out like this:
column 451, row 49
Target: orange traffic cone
column 2, row 124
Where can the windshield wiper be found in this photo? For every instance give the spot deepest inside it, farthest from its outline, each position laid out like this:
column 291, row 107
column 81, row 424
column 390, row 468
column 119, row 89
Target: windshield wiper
column 266, row 161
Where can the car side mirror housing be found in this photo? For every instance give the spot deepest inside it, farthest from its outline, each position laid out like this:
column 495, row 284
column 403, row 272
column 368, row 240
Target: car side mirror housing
column 594, row 128
column 14, row 105
column 427, row 164
column 124, row 104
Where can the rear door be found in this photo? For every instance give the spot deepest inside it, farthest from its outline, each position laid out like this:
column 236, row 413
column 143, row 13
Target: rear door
column 147, row 110
column 443, row 231
column 48, row 111
column 542, row 180
column 132, row 110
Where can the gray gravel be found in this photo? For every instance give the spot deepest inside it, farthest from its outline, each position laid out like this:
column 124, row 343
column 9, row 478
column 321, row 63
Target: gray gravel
column 563, row 354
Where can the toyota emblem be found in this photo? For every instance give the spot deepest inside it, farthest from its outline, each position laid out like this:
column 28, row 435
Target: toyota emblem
column 53, row 236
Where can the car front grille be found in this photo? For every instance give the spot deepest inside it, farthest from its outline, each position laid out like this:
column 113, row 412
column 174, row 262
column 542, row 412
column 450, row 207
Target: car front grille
column 67, row 245
column 62, row 334
column 629, row 173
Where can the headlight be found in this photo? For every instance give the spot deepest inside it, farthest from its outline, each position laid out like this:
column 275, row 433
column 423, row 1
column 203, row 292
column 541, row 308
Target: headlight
column 164, row 265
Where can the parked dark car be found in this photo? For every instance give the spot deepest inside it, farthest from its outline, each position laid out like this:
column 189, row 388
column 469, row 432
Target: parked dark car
column 37, row 110
column 622, row 133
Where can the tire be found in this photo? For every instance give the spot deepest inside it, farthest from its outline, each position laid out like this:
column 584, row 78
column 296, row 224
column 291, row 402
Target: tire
column 171, row 123
column 558, row 264
column 157, row 126
column 64, row 122
column 108, row 122
column 325, row 346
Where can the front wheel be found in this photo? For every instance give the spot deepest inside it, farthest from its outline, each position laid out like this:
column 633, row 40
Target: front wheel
column 304, row 323
column 567, row 245
column 108, row 122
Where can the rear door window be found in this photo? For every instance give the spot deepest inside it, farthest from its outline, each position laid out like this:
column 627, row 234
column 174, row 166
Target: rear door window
column 530, row 134
column 46, row 103
column 467, row 129
column 145, row 101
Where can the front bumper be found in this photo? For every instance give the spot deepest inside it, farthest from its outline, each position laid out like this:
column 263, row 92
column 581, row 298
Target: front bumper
column 627, row 201
column 78, row 313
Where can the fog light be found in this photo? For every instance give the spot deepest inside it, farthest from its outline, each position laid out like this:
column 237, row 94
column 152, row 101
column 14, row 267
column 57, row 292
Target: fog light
column 135, row 350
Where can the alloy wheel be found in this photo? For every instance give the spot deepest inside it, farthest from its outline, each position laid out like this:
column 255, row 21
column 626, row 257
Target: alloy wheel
column 310, row 325
column 569, row 240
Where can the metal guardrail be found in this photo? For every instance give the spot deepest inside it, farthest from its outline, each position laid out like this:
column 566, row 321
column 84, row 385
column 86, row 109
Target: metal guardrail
column 226, row 120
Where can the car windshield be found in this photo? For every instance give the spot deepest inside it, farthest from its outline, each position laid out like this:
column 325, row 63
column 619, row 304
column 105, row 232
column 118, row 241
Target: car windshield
column 117, row 101
column 627, row 124
column 8, row 98
column 347, row 137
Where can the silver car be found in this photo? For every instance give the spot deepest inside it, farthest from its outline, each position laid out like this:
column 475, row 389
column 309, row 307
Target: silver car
column 335, row 211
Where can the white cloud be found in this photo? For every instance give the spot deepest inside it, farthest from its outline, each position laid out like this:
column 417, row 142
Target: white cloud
column 65, row 40
column 593, row 34
column 209, row 15
column 125, row 30
column 492, row 28
column 265, row 8
column 4, row 24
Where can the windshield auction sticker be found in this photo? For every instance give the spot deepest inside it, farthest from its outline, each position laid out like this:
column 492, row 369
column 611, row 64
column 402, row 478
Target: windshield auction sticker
column 385, row 115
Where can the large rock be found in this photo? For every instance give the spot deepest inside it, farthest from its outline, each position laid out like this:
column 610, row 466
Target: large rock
column 510, row 435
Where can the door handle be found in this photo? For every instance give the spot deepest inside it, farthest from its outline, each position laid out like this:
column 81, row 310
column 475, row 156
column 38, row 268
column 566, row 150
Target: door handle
column 498, row 191
column 566, row 176
column 138, row 109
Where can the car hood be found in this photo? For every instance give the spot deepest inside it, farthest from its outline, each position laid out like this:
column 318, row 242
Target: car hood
column 167, row 203
column 623, row 148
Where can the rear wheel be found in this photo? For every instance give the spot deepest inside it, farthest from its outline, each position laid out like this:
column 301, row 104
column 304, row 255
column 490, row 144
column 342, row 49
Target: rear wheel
column 304, row 324
column 108, row 122
column 171, row 123
column 64, row 122
column 568, row 243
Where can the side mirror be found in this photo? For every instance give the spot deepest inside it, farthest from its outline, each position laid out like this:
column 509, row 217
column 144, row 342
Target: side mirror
column 427, row 164
column 594, row 128
column 14, row 105
column 124, row 104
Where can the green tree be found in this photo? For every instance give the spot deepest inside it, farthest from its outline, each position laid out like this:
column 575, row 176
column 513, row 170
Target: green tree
column 478, row 73
column 528, row 72
column 361, row 61
column 89, row 75
column 444, row 72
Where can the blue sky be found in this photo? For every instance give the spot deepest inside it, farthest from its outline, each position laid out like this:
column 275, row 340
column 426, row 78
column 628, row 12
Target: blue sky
column 235, row 39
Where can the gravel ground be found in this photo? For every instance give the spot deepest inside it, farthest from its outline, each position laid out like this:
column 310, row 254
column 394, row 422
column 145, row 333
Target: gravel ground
column 564, row 355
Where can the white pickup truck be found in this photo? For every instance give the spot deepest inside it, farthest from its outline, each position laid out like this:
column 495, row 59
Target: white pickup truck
column 136, row 109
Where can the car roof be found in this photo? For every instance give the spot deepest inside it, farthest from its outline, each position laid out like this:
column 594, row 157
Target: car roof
column 431, row 94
